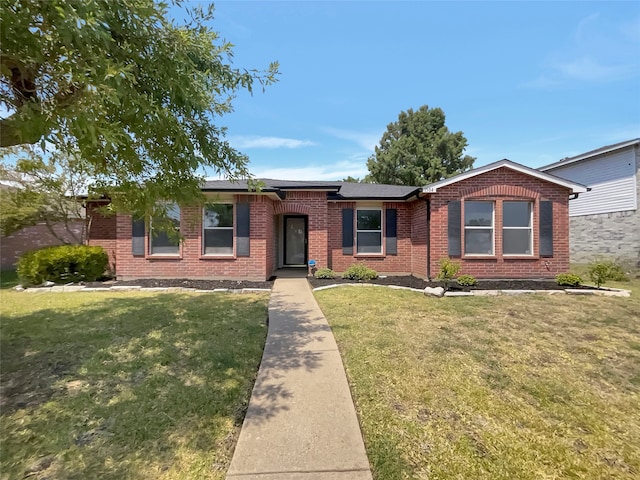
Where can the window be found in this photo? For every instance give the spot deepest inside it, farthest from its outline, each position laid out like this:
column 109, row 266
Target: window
column 516, row 228
column 217, row 224
column 369, row 230
column 478, row 228
column 167, row 242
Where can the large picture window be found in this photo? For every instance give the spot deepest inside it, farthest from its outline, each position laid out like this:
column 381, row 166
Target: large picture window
column 517, row 232
column 217, row 227
column 166, row 242
column 478, row 228
column 369, row 230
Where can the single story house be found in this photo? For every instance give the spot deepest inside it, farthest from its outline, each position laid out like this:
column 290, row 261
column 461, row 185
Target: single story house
column 502, row 220
column 605, row 221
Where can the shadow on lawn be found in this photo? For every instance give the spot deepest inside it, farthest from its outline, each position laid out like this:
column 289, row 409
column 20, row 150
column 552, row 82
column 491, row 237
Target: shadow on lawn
column 119, row 387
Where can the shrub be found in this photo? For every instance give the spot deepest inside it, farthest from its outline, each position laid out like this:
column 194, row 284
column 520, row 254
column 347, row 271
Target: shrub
column 568, row 280
column 65, row 263
column 448, row 270
column 600, row 271
column 325, row 273
column 467, row 280
column 360, row 272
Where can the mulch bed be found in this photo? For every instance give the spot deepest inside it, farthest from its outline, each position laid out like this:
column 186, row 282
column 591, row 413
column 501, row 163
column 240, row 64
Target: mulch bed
column 184, row 283
column 414, row 282
column 402, row 281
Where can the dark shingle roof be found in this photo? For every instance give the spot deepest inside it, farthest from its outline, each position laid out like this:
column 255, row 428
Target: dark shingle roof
column 336, row 190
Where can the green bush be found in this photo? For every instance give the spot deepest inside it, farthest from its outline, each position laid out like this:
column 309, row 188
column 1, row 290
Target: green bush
column 600, row 271
column 568, row 280
column 448, row 270
column 467, row 280
column 360, row 272
column 62, row 264
column 325, row 273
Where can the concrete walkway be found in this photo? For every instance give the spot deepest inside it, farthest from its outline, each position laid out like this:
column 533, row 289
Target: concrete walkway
column 301, row 422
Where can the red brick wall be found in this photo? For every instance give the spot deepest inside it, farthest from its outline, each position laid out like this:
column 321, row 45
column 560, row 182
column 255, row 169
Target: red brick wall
column 102, row 232
column 314, row 205
column 190, row 263
column 419, row 239
column 400, row 264
column 36, row 237
column 500, row 185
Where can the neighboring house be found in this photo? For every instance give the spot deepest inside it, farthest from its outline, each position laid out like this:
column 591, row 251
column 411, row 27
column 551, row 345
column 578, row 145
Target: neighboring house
column 36, row 237
column 604, row 221
column 503, row 220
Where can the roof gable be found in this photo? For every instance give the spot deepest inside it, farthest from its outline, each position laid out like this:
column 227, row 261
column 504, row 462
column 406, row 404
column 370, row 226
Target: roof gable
column 572, row 186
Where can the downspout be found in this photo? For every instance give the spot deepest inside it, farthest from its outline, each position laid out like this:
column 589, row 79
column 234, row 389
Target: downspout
column 428, row 203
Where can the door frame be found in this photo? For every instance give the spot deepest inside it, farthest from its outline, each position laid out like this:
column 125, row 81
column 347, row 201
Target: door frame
column 284, row 240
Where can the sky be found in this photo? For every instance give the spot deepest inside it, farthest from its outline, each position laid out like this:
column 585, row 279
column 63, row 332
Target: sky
column 533, row 82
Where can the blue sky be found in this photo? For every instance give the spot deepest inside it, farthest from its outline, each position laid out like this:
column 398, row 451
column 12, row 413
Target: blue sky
column 530, row 81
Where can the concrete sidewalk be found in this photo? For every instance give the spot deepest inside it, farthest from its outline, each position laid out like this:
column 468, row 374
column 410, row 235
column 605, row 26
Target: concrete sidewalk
column 301, row 422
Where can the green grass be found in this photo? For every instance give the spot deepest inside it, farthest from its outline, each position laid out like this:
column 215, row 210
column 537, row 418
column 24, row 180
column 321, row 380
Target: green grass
column 527, row 387
column 8, row 279
column 125, row 386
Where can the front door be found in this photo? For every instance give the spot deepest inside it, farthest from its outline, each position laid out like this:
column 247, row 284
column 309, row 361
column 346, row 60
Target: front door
column 295, row 241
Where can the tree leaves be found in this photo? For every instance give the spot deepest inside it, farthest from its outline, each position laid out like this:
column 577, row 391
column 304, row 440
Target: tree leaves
column 418, row 149
column 134, row 93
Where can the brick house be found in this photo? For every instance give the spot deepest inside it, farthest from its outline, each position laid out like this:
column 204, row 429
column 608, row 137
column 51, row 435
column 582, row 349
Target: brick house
column 503, row 220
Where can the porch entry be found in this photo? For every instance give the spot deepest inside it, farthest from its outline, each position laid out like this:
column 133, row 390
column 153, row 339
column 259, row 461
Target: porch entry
column 295, row 241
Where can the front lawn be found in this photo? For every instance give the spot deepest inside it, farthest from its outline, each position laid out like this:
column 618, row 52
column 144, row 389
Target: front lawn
column 513, row 387
column 125, row 385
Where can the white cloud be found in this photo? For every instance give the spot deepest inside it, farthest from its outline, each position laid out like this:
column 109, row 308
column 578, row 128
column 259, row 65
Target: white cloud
column 365, row 140
column 329, row 172
column 596, row 53
column 250, row 141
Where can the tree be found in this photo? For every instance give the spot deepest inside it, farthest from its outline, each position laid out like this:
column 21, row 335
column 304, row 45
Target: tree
column 351, row 179
column 418, row 149
column 42, row 192
column 129, row 92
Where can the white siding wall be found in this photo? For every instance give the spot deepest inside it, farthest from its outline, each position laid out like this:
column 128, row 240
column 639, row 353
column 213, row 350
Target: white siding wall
column 612, row 179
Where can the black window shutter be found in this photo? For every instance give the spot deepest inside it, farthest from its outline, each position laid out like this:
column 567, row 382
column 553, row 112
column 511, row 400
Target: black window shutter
column 454, row 228
column 243, row 219
column 137, row 236
column 391, row 231
column 347, row 231
column 546, row 229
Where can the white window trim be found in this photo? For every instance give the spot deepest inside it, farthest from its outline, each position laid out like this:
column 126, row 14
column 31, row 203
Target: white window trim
column 151, row 236
column 481, row 227
column 530, row 228
column 232, row 228
column 381, row 231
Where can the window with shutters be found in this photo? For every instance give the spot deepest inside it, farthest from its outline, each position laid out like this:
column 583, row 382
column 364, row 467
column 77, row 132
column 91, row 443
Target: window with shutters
column 478, row 228
column 369, row 231
column 517, row 228
column 217, row 229
column 166, row 241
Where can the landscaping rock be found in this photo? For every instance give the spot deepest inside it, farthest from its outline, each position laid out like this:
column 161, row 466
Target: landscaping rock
column 434, row 291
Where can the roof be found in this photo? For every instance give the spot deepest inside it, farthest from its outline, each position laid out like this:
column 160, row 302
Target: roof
column 591, row 154
column 547, row 177
column 335, row 190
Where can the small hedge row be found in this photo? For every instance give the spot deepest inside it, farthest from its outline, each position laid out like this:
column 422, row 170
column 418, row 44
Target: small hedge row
column 62, row 264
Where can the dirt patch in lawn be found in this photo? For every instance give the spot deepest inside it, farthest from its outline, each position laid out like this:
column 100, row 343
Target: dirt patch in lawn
column 419, row 283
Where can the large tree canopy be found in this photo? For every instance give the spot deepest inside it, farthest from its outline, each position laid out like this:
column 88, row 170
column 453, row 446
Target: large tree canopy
column 418, row 149
column 133, row 95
